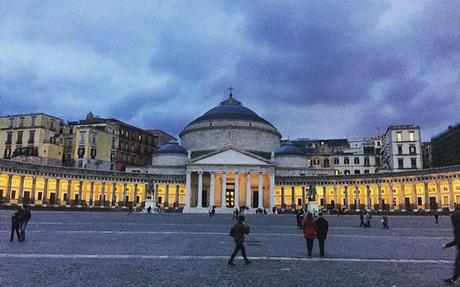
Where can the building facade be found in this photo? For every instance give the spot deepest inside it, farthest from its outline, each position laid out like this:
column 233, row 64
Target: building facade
column 445, row 147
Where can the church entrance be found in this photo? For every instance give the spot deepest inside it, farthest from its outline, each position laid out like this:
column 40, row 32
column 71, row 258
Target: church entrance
column 255, row 199
column 230, row 198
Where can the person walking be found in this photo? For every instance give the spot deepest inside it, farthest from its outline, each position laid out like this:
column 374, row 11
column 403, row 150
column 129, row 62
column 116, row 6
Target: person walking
column 24, row 218
column 309, row 231
column 361, row 219
column 15, row 225
column 149, row 209
column 385, row 222
column 238, row 232
column 368, row 220
column 455, row 220
column 274, row 210
column 298, row 219
column 436, row 217
column 322, row 227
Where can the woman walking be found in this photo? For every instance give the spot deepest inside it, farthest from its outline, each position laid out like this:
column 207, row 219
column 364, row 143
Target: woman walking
column 309, row 231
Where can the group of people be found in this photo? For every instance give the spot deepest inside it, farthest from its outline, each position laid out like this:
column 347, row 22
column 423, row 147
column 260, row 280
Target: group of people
column 366, row 224
column 19, row 222
column 315, row 229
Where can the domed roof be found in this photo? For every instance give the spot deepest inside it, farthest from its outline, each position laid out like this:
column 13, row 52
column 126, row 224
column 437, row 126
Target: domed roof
column 230, row 109
column 171, row 147
column 289, row 149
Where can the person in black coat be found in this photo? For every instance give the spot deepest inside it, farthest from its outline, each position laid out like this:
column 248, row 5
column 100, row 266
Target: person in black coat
column 361, row 219
column 15, row 225
column 455, row 219
column 436, row 217
column 25, row 217
column 238, row 232
column 321, row 233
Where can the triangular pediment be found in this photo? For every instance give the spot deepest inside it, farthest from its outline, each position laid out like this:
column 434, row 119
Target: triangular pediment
column 230, row 157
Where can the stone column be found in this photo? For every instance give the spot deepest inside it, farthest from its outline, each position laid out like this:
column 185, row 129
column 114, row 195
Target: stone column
column 303, row 196
column 224, row 189
column 21, row 189
column 390, row 188
column 45, row 192
column 188, row 189
column 34, row 185
column 69, row 191
column 427, row 196
column 414, row 195
column 282, row 196
column 8, row 188
column 272, row 191
column 336, row 197
column 379, row 192
column 101, row 195
column 80, row 193
column 58, row 191
column 347, row 205
column 260, row 191
column 292, row 196
column 325, row 196
column 451, row 194
column 237, row 191
column 248, row 189
column 368, row 191
column 402, row 197
column 91, row 194
column 438, row 194
column 135, row 194
column 125, row 187
column 113, row 200
column 177, row 195
column 211, row 189
column 155, row 193
column 200, row 190
column 166, row 199
column 357, row 203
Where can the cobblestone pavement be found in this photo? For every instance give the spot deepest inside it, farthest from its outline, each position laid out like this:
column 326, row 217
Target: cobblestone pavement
column 121, row 249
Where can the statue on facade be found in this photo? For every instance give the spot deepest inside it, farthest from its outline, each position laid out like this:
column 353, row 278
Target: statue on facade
column 312, row 192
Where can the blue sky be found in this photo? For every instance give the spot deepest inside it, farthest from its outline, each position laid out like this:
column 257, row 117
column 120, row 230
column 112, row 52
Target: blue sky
column 317, row 69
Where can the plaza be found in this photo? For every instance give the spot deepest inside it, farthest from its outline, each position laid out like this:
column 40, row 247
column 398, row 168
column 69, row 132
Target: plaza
column 121, row 249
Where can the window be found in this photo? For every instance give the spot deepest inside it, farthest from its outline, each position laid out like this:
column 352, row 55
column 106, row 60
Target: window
column 399, row 136
column 21, row 122
column 337, row 172
column 9, row 138
column 40, row 194
column 316, row 161
column 19, row 139
column 419, row 200
column 114, row 140
column 366, row 171
column 411, row 136
column 346, row 160
column 11, row 122
column 356, row 160
column 33, row 122
column 400, row 149
column 357, row 171
column 93, row 153
column 7, row 153
column 326, row 162
column 336, row 160
column 400, row 163
column 82, row 137
column 81, row 152
column 413, row 163
column 52, row 124
column 94, row 139
column 366, row 161
column 112, row 156
column 346, row 172
column 31, row 137
column 377, row 161
column 412, row 149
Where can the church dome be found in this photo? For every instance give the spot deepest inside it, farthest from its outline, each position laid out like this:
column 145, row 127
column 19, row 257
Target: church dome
column 171, row 147
column 289, row 149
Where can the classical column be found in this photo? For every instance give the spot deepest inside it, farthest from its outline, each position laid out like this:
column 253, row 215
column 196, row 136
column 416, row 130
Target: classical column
column 224, row 189
column 237, row 196
column 438, row 194
column 211, row 189
column 390, row 187
column 58, row 191
column 260, row 191
column 188, row 189
column 379, row 192
column 402, row 197
column 102, row 194
column 282, row 196
column 368, row 191
column 427, row 196
column 155, row 193
column 248, row 189
column 272, row 191
column 292, row 196
column 21, row 188
column 303, row 196
column 45, row 191
column 177, row 195
column 69, row 191
column 336, row 197
column 200, row 190
column 80, row 193
column 34, row 185
column 8, row 188
column 414, row 195
column 91, row 194
column 135, row 194
column 325, row 196
column 125, row 187
column 346, row 197
column 451, row 194
column 113, row 199
column 357, row 203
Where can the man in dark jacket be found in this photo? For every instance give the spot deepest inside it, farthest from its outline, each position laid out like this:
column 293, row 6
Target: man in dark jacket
column 15, row 225
column 237, row 232
column 361, row 219
column 321, row 233
column 25, row 217
column 455, row 219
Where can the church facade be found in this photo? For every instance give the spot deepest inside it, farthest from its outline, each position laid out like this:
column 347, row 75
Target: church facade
column 228, row 157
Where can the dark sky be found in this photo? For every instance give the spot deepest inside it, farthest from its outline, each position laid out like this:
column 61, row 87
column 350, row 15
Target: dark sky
column 317, row 69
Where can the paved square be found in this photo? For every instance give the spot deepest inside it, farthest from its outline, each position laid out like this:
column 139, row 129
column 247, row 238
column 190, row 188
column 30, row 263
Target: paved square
column 121, row 249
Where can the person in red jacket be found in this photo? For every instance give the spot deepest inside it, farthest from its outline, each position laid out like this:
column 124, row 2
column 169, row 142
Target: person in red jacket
column 309, row 231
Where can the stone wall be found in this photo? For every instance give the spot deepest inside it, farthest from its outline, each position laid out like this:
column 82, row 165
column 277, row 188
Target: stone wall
column 169, row 159
column 291, row 161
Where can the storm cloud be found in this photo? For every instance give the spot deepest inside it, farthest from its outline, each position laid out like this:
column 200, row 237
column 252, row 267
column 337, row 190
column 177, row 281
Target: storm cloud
column 317, row 69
